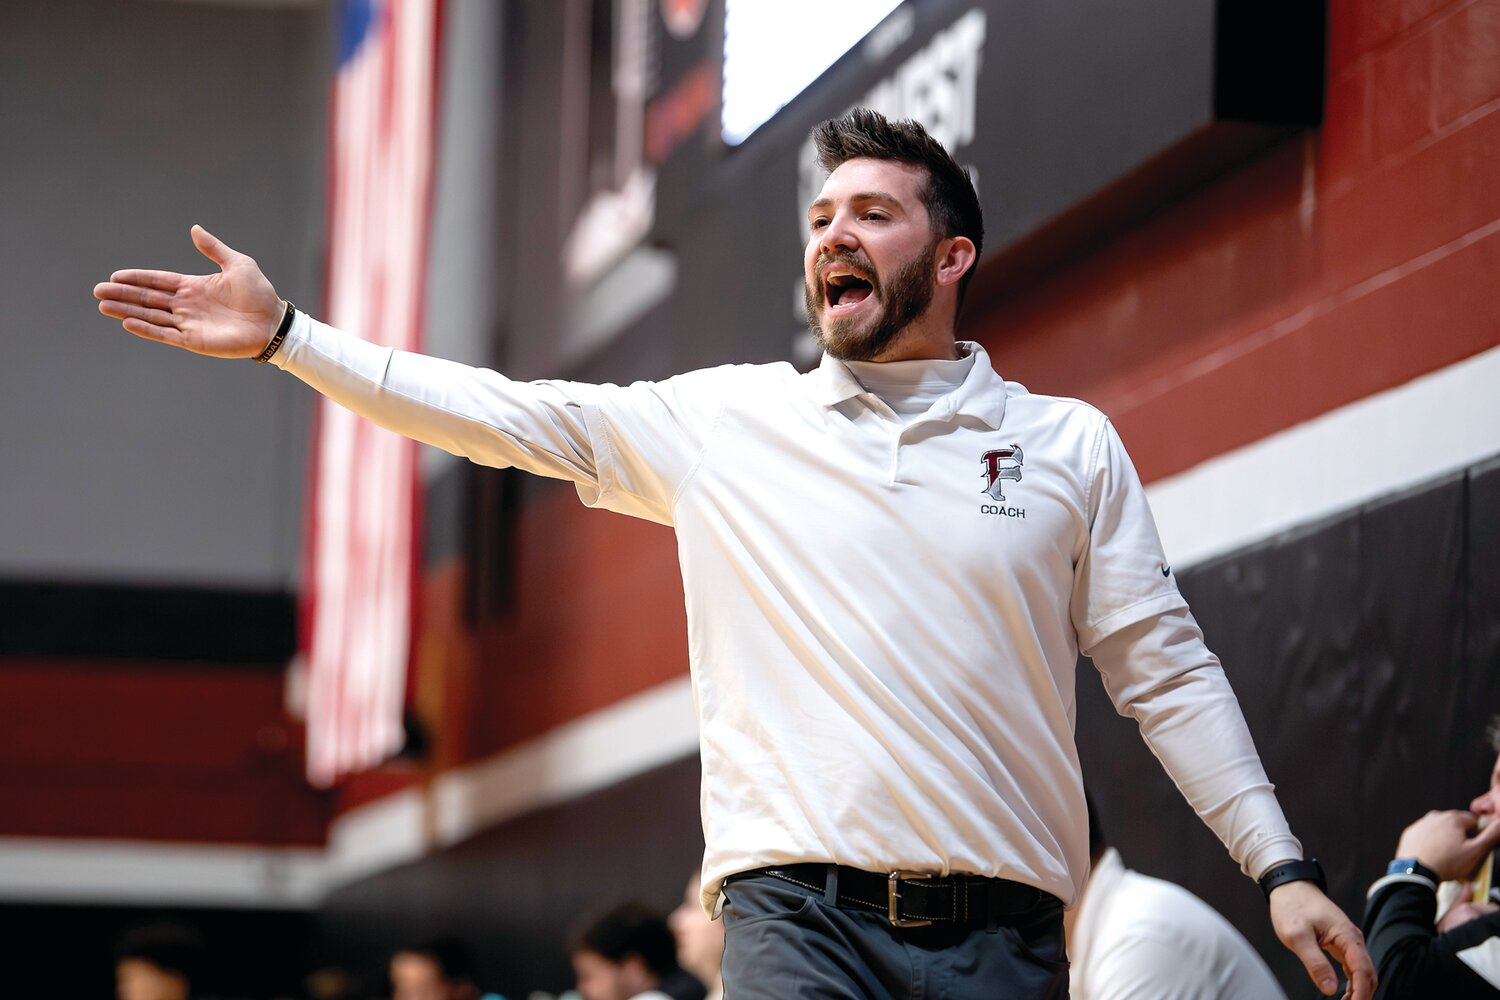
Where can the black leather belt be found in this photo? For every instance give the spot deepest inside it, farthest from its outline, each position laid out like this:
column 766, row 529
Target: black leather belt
column 918, row 899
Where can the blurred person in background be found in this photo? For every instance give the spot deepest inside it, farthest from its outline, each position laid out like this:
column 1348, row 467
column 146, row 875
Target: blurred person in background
column 159, row 961
column 1416, row 953
column 891, row 565
column 442, row 969
column 332, row 983
column 700, row 940
column 626, row 954
column 1134, row 937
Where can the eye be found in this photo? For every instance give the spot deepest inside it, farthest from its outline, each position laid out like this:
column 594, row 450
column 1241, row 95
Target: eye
column 817, row 222
column 877, row 216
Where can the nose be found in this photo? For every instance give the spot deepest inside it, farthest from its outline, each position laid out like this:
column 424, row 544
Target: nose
column 838, row 235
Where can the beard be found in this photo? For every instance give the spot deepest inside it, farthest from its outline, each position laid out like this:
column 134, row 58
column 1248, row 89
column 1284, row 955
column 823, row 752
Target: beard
column 902, row 299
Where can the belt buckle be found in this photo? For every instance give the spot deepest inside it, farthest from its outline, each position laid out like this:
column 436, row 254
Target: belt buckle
column 893, row 896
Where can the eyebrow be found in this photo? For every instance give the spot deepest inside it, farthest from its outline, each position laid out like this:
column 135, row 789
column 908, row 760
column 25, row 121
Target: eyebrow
column 861, row 196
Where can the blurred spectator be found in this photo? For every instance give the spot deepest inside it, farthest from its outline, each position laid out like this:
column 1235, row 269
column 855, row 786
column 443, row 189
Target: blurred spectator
column 628, row 954
column 438, row 970
column 158, row 961
column 1133, row 936
column 700, row 941
column 332, row 984
column 1415, row 954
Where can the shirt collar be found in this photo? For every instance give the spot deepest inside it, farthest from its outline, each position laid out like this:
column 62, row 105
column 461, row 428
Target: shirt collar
column 982, row 394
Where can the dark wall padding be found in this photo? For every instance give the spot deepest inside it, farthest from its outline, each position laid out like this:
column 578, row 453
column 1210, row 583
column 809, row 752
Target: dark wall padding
column 516, row 892
column 1365, row 652
column 141, row 621
column 68, row 951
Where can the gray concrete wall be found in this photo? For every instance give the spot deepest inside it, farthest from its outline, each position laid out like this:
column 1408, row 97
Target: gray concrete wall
column 124, row 122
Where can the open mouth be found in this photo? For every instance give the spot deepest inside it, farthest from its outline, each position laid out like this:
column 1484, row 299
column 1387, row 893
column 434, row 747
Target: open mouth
column 844, row 288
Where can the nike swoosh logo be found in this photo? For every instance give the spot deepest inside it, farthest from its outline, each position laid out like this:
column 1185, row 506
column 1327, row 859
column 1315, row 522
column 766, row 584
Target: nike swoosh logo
column 1166, row 571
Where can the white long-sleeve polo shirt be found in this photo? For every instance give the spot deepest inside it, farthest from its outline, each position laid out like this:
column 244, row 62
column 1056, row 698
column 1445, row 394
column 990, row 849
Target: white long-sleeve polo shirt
column 884, row 614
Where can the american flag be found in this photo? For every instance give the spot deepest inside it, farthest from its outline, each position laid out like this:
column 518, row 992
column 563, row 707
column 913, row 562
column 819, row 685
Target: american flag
column 362, row 562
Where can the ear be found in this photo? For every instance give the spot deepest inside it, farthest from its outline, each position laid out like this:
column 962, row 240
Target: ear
column 955, row 256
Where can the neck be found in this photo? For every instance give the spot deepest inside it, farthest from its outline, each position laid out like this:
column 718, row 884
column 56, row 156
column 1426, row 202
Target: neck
column 929, row 337
column 918, row 342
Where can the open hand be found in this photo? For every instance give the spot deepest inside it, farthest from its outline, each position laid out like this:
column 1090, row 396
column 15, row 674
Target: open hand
column 1309, row 923
column 232, row 314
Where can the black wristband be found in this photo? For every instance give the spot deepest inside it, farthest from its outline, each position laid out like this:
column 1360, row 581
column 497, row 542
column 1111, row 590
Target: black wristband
column 281, row 332
column 1293, row 871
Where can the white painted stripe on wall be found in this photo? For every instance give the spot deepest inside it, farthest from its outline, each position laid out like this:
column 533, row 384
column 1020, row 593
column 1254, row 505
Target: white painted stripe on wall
column 1386, row 443
column 378, row 836
column 126, row 872
column 656, row 727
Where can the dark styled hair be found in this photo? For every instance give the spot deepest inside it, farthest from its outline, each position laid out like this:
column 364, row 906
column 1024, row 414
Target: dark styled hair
column 171, row 947
column 628, row 930
column 949, row 195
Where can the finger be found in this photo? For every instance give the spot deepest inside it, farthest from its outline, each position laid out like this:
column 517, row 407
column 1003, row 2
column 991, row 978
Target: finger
column 213, row 248
column 166, row 281
column 1362, row 984
column 1348, row 947
column 124, row 311
column 135, row 294
column 1305, row 947
column 151, row 331
column 1488, row 836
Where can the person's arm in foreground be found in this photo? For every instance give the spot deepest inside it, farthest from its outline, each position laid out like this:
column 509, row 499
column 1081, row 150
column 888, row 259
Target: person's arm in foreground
column 1414, row 957
column 472, row 412
column 1135, row 626
column 1159, row 672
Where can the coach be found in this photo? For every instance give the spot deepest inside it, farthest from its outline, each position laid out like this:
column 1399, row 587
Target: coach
column 890, row 564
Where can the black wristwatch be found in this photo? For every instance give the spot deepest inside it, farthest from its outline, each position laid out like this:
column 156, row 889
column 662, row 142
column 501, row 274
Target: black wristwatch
column 1411, row 866
column 1293, row 871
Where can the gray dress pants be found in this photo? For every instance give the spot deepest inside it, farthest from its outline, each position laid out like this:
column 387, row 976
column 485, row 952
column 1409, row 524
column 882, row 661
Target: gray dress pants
column 785, row 942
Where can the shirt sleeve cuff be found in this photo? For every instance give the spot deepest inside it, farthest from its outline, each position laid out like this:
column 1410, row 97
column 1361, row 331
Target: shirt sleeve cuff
column 1271, row 852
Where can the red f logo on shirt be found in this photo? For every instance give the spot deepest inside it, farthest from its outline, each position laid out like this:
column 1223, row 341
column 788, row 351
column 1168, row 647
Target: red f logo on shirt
column 1000, row 465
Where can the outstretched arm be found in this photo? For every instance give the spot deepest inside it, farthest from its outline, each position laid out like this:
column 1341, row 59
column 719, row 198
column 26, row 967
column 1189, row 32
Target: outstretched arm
column 473, row 412
column 652, row 433
column 232, row 314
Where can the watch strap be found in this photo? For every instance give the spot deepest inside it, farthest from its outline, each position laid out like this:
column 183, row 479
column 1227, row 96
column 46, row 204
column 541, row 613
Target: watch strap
column 1293, row 871
column 1411, row 866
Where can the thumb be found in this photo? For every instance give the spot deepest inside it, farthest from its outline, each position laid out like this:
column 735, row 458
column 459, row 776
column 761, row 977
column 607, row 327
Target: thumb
column 213, row 248
column 1319, row 969
column 1488, row 835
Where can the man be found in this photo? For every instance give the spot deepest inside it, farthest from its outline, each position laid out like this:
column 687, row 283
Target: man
column 700, row 940
column 624, row 955
column 1133, row 937
column 1418, row 956
column 890, row 565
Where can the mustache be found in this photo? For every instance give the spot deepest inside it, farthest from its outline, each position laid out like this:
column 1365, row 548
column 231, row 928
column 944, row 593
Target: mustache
column 847, row 259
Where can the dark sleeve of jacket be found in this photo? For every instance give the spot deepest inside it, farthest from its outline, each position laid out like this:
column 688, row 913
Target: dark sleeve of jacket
column 1411, row 958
